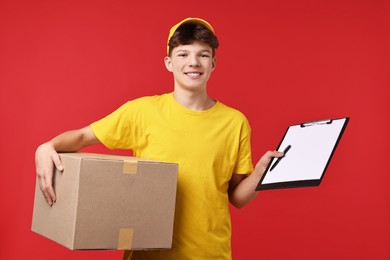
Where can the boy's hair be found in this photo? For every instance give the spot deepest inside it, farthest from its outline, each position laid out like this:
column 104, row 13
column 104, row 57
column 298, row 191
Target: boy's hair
column 189, row 32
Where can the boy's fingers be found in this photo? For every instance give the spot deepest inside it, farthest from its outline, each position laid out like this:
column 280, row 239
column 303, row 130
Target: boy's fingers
column 274, row 154
column 47, row 190
column 57, row 162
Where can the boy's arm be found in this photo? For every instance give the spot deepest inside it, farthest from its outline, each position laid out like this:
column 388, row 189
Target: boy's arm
column 46, row 157
column 242, row 187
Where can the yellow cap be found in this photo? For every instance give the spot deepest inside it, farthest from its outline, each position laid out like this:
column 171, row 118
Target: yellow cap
column 190, row 19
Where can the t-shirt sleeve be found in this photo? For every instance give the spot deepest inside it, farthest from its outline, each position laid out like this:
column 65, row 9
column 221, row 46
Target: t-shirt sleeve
column 244, row 160
column 115, row 130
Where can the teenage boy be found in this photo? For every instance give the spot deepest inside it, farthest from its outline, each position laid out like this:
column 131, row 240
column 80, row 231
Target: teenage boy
column 209, row 140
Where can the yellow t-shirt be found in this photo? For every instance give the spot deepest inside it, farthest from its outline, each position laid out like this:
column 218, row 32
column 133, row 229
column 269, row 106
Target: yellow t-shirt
column 209, row 146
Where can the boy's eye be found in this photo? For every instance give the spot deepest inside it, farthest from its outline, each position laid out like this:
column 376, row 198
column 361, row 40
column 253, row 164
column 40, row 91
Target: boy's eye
column 182, row 55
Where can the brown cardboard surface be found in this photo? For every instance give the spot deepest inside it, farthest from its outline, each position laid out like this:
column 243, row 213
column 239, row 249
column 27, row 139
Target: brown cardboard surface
column 100, row 196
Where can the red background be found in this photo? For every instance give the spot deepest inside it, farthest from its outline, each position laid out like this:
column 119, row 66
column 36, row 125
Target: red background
column 64, row 64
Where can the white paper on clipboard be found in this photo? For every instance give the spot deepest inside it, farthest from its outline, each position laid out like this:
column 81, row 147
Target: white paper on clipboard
column 312, row 146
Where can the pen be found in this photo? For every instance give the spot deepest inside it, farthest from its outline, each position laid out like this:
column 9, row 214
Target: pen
column 280, row 158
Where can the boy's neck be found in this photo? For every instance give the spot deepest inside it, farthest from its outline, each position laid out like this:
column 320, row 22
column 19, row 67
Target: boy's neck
column 197, row 101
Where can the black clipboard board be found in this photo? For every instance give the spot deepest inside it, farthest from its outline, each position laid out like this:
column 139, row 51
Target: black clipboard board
column 311, row 147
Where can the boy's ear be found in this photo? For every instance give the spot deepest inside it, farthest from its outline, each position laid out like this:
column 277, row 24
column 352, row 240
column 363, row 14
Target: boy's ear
column 214, row 63
column 168, row 63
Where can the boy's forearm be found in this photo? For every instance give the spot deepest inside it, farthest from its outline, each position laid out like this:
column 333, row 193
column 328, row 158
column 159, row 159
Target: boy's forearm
column 245, row 191
column 74, row 140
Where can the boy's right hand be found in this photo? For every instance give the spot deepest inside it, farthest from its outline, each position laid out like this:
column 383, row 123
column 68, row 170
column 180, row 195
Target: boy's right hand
column 46, row 158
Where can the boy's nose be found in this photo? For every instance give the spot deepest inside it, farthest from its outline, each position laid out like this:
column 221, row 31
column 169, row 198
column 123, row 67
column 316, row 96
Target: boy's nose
column 194, row 61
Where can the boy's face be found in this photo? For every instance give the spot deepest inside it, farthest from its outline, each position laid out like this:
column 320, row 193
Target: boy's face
column 191, row 65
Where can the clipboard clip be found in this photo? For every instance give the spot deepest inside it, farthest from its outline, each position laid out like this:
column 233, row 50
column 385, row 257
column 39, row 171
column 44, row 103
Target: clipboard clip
column 318, row 122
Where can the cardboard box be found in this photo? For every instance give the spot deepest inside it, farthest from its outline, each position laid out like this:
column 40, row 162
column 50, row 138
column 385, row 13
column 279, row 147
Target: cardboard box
column 109, row 202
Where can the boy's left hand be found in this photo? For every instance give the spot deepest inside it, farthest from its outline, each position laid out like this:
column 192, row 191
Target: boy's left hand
column 262, row 164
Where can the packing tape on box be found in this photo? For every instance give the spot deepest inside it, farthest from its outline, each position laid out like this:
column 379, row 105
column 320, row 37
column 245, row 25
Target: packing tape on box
column 130, row 167
column 125, row 239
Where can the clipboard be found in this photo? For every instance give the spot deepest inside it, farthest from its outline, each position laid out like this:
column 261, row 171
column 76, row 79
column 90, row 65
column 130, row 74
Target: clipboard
column 311, row 146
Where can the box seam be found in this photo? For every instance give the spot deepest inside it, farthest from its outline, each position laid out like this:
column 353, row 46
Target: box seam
column 76, row 203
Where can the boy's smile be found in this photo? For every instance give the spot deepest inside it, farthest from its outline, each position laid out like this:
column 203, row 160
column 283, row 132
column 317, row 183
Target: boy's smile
column 193, row 74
